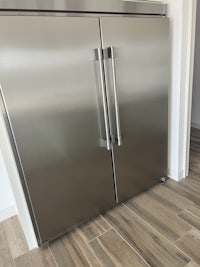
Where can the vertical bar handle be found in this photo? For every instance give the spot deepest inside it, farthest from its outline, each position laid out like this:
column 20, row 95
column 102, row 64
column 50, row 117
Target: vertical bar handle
column 119, row 137
column 99, row 58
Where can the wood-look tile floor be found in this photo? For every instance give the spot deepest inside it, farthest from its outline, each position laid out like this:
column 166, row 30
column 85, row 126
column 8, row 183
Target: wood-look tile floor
column 159, row 228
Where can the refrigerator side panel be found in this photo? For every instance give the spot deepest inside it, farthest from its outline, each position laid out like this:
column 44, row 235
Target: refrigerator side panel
column 49, row 81
column 141, row 68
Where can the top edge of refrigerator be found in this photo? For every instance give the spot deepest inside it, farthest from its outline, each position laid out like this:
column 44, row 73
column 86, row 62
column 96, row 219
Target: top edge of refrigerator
column 86, row 6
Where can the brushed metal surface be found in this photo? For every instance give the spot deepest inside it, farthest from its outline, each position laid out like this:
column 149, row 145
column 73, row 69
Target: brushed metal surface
column 118, row 127
column 99, row 58
column 102, row 6
column 47, row 74
column 142, row 74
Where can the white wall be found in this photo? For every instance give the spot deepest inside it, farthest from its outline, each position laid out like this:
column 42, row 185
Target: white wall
column 196, row 84
column 7, row 201
column 182, row 19
column 14, row 179
column 176, row 93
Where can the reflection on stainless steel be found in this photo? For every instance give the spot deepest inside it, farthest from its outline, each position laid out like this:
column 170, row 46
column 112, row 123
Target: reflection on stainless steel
column 116, row 129
column 54, row 114
column 99, row 58
column 119, row 137
column 105, row 6
column 141, row 58
column 64, row 107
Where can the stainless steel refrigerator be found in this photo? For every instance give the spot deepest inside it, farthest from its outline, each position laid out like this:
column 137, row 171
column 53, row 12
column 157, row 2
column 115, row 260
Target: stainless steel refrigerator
column 84, row 88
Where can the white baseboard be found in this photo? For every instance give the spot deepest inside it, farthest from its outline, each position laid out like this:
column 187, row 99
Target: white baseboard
column 195, row 125
column 177, row 176
column 7, row 213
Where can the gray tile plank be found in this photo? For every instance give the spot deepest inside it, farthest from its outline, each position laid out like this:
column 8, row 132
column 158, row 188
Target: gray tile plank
column 190, row 218
column 195, row 210
column 164, row 221
column 194, row 175
column 113, row 251
column 5, row 254
column 192, row 264
column 94, row 228
column 71, row 250
column 191, row 184
column 15, row 237
column 184, row 191
column 152, row 246
column 169, row 199
column 190, row 244
column 36, row 257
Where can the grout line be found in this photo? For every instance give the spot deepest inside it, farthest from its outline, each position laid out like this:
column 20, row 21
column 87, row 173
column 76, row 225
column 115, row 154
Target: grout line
column 101, row 226
column 88, row 261
column 53, row 256
column 139, row 255
column 99, row 235
column 107, row 250
column 81, row 234
column 85, row 238
column 13, row 261
column 145, row 222
column 105, row 220
column 117, row 232
column 191, row 213
column 181, row 212
column 72, row 233
column 182, row 236
column 87, row 244
column 196, row 231
column 110, row 226
column 176, row 246
column 108, row 222
column 160, row 234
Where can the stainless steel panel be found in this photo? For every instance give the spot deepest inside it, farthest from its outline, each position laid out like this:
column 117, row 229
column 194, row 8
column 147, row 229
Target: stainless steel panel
column 142, row 74
column 47, row 74
column 101, row 6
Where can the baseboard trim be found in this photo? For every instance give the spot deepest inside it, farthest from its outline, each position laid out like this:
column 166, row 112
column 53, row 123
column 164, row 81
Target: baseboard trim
column 177, row 176
column 7, row 213
column 195, row 125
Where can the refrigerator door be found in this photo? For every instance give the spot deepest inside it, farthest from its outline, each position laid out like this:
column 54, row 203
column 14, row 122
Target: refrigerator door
column 49, row 78
column 137, row 74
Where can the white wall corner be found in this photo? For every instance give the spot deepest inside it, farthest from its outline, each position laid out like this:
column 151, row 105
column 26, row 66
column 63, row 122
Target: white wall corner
column 13, row 175
column 174, row 175
column 7, row 213
column 188, row 50
column 182, row 17
column 175, row 16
